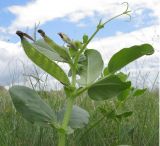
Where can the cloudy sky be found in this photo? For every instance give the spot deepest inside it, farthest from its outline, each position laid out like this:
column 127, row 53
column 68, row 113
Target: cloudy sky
column 76, row 17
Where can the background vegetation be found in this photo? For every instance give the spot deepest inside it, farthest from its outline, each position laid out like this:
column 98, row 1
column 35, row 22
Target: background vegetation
column 140, row 129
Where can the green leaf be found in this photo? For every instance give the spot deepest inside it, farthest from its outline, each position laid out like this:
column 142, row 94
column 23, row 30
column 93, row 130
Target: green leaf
column 109, row 114
column 127, row 55
column 44, row 62
column 124, row 114
column 106, row 72
column 70, row 130
column 139, row 92
column 122, row 76
column 124, row 94
column 85, row 39
column 82, row 58
column 107, row 88
column 79, row 117
column 72, row 52
column 31, row 106
column 77, row 45
column 91, row 67
column 79, row 67
column 43, row 47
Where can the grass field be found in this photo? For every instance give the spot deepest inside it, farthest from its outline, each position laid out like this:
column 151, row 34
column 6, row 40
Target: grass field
column 140, row 129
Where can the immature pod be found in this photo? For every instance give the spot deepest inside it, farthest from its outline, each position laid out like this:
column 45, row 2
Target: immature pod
column 71, row 44
column 60, row 50
column 64, row 37
column 43, row 61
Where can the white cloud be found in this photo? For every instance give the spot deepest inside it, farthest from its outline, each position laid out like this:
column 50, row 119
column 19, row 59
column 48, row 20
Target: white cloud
column 3, row 33
column 9, row 49
column 47, row 10
column 2, row 30
column 13, row 61
column 10, row 52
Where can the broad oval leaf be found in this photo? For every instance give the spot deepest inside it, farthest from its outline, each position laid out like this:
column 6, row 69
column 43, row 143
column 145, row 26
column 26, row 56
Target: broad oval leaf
column 108, row 87
column 79, row 117
column 124, row 94
column 139, row 92
column 123, row 76
column 72, row 52
column 105, row 71
column 124, row 114
column 43, row 47
column 31, row 106
column 127, row 55
column 44, row 62
column 91, row 67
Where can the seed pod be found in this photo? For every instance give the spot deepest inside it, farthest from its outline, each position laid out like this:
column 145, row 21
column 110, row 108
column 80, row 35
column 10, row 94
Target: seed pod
column 43, row 61
column 64, row 37
column 60, row 50
column 71, row 44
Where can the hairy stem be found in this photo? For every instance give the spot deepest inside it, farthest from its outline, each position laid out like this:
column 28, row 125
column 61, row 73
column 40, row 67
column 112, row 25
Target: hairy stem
column 67, row 115
column 62, row 140
column 62, row 134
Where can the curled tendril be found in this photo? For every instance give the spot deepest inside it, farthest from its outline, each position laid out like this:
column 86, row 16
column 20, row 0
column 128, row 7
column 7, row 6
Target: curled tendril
column 126, row 12
column 127, row 6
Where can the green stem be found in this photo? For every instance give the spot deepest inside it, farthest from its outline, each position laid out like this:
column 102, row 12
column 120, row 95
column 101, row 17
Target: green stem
column 62, row 134
column 67, row 115
column 73, row 76
column 62, row 139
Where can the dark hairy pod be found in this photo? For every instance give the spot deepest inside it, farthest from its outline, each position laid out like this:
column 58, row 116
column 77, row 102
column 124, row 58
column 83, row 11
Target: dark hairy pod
column 22, row 34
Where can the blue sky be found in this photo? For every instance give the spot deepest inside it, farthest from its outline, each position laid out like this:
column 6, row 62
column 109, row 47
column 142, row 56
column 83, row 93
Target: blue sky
column 5, row 16
column 76, row 18
column 74, row 29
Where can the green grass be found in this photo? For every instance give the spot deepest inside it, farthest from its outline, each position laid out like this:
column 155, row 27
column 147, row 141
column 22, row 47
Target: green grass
column 140, row 129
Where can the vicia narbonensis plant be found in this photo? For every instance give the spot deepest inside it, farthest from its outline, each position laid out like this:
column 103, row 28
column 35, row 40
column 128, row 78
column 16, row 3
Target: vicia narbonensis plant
column 99, row 82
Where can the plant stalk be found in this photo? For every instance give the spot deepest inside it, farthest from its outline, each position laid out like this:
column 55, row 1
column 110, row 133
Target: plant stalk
column 62, row 134
column 62, row 139
column 70, row 100
column 67, row 115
